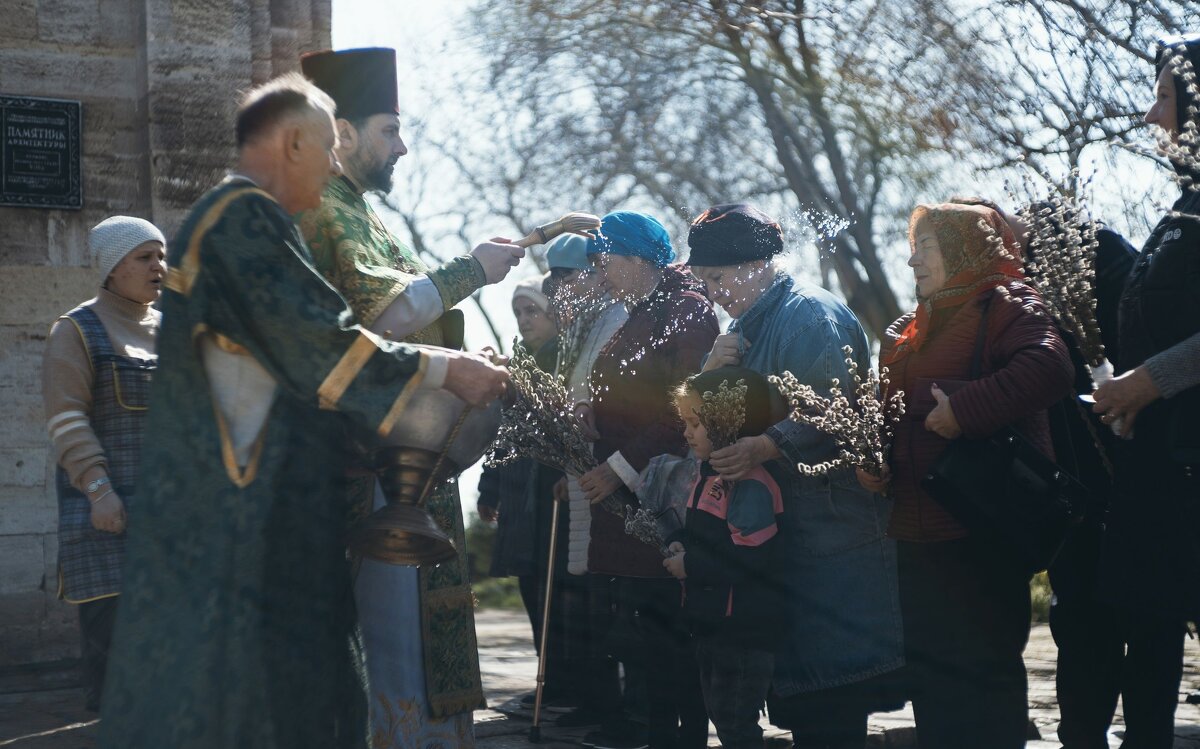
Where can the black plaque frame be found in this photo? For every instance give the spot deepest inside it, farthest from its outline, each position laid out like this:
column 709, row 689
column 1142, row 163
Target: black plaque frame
column 40, row 152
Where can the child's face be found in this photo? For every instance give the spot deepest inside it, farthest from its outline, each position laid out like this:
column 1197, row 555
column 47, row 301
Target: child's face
column 693, row 431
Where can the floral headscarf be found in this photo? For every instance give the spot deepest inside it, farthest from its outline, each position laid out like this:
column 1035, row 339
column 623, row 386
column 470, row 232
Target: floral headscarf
column 979, row 252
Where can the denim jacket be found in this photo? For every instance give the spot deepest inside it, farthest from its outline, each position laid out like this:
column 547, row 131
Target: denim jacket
column 845, row 607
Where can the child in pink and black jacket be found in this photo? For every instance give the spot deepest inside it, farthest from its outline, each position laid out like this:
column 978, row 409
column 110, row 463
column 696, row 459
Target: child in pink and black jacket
column 724, row 557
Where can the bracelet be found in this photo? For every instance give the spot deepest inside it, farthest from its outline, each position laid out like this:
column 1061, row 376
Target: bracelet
column 102, row 496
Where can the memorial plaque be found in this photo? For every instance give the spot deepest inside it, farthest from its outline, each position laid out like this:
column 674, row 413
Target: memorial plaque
column 40, row 150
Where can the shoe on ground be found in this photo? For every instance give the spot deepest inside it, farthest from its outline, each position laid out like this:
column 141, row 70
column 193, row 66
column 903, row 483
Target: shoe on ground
column 602, row 740
column 580, row 717
column 550, row 704
column 527, row 700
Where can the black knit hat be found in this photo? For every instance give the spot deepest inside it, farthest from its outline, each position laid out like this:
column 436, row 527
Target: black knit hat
column 733, row 233
column 361, row 82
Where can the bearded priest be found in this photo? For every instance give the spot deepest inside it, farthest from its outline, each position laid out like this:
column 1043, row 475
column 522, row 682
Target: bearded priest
column 417, row 623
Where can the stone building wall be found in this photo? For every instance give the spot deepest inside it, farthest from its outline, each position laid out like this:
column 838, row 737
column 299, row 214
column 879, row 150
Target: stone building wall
column 158, row 82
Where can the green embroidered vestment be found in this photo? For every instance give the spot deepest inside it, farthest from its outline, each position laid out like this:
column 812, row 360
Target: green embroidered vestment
column 236, row 613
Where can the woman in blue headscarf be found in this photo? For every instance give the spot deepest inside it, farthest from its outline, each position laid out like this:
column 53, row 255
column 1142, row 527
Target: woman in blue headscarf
column 671, row 327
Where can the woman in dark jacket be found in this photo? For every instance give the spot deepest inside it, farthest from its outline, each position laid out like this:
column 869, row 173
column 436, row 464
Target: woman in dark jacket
column 671, row 327
column 965, row 605
column 1152, row 547
column 517, row 496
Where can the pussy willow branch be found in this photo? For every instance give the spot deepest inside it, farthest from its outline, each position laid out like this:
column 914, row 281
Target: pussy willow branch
column 862, row 430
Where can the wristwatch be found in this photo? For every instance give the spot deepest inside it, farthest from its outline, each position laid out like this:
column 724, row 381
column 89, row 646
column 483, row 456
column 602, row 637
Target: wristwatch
column 94, row 486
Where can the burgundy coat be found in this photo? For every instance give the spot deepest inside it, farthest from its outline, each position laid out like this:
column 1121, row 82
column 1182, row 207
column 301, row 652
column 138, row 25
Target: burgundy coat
column 661, row 344
column 1025, row 369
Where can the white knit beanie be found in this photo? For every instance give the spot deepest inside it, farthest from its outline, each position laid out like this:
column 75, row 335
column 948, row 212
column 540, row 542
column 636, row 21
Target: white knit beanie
column 115, row 237
column 531, row 288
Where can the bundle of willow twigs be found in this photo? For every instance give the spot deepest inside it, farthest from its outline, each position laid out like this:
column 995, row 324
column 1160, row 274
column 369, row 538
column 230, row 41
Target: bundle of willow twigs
column 862, row 429
column 1062, row 266
column 538, row 423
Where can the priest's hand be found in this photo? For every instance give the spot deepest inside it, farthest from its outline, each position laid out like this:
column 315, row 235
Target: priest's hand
column 475, row 379
column 497, row 258
column 742, row 457
column 726, row 351
column 941, row 419
column 108, row 513
column 599, row 483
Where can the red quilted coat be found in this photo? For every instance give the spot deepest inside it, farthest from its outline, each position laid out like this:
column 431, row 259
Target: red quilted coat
column 1025, row 368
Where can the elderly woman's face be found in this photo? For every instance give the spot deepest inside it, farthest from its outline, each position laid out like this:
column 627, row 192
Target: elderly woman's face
column 735, row 287
column 1163, row 111
column 621, row 273
column 929, row 269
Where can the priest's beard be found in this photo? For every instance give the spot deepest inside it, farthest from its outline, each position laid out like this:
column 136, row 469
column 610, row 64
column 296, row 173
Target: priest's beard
column 377, row 176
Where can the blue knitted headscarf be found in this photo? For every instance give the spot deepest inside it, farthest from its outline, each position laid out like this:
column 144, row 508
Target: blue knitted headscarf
column 634, row 234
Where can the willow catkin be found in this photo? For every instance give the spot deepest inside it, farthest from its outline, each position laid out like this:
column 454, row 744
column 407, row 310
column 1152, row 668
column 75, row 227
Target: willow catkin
column 862, row 430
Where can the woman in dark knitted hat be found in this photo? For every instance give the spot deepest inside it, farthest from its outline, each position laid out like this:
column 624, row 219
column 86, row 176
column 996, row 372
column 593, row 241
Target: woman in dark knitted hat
column 844, row 611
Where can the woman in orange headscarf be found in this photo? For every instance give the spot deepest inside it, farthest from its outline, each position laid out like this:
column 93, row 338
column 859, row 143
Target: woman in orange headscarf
column 964, row 604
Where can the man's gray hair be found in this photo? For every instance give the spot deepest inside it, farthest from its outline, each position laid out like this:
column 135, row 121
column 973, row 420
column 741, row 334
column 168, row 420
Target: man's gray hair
column 263, row 107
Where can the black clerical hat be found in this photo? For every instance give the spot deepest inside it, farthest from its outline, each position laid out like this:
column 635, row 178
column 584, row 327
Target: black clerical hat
column 362, row 82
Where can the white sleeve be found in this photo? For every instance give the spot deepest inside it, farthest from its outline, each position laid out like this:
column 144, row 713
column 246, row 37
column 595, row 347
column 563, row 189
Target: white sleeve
column 417, row 307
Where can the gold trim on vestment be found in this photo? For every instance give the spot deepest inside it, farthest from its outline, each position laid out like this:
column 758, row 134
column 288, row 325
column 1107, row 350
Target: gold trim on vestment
column 228, row 345
column 347, row 368
column 181, row 277
column 401, row 402
column 240, row 478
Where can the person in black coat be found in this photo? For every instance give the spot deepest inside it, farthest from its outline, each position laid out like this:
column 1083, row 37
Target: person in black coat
column 518, row 497
column 1152, row 542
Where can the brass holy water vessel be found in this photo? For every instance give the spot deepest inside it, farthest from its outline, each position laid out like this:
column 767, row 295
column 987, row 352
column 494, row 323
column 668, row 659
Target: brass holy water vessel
column 438, row 437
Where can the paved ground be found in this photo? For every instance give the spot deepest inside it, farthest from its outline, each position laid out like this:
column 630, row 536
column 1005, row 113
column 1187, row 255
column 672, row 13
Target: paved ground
column 45, row 713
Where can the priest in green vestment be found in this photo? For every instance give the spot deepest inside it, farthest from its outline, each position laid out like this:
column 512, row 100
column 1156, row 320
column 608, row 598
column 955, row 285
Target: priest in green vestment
column 418, row 625
column 236, row 621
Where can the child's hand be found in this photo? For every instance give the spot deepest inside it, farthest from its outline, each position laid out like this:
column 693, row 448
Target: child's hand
column 674, row 563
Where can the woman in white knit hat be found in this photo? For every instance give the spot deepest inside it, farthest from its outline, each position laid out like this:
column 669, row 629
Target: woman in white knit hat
column 95, row 381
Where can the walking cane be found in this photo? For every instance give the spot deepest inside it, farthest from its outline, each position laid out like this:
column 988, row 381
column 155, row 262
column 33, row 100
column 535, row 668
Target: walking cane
column 535, row 730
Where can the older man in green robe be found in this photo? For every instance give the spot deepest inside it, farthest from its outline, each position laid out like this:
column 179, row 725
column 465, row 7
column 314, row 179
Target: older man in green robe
column 418, row 625
column 236, row 616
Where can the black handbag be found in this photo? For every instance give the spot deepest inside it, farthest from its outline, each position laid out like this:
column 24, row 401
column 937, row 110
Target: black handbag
column 1002, row 487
